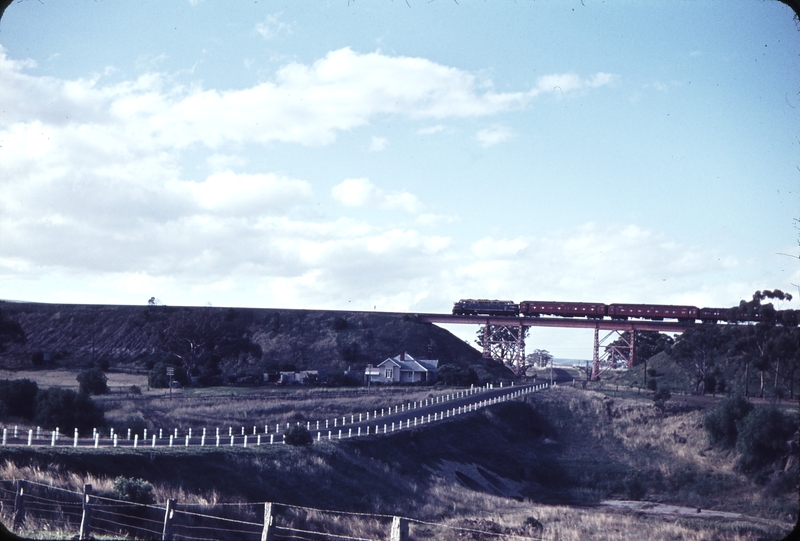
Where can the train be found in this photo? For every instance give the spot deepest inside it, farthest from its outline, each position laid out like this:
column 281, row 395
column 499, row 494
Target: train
column 589, row 310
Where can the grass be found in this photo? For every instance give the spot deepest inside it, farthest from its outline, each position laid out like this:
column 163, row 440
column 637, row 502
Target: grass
column 560, row 449
column 224, row 407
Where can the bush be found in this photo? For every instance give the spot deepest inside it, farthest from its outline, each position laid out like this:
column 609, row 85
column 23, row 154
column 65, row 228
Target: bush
column 298, row 436
column 652, row 385
column 660, row 398
column 66, row 409
column 721, row 422
column 135, row 389
column 532, row 523
column 635, row 489
column 451, row 374
column 133, row 490
column 762, row 437
column 19, row 397
column 102, row 364
column 93, row 381
column 137, row 425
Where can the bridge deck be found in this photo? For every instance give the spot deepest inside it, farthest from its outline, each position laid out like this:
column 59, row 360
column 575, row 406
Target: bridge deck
column 575, row 323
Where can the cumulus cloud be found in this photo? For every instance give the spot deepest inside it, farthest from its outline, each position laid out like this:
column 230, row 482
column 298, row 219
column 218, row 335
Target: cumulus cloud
column 493, row 136
column 359, row 192
column 305, row 104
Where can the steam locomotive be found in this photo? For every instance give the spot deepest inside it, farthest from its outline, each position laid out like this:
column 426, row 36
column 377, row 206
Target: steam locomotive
column 590, row 310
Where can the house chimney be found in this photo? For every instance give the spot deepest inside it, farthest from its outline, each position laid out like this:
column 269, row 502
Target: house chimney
column 402, row 356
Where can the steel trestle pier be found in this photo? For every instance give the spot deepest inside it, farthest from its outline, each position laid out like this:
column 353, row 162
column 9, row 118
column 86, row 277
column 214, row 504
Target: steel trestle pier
column 615, row 326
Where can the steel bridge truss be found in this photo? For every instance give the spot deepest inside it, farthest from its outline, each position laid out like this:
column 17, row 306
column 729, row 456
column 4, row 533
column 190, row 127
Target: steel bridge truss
column 614, row 354
column 505, row 344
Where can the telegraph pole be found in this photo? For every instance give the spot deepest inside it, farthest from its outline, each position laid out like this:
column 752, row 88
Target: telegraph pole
column 170, row 373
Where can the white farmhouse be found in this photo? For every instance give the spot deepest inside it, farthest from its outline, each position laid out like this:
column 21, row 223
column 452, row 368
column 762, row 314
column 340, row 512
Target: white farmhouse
column 403, row 369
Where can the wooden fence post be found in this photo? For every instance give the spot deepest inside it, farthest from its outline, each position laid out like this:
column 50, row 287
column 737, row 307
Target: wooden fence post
column 268, row 533
column 19, row 505
column 87, row 513
column 169, row 514
column 399, row 529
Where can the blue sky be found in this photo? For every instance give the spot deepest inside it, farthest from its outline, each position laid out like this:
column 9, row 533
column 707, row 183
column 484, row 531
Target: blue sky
column 399, row 156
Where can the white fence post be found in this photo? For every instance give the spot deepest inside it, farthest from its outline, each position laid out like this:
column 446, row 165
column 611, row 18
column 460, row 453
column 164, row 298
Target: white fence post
column 399, row 531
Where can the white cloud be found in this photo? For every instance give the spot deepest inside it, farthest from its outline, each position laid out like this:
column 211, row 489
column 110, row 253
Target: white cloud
column 272, row 27
column 561, row 84
column 228, row 192
column 493, row 136
column 221, row 162
column 431, row 130
column 378, row 143
column 359, row 192
column 305, row 104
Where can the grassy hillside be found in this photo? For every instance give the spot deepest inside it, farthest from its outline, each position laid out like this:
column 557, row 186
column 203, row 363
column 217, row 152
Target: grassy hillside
column 495, row 467
column 250, row 341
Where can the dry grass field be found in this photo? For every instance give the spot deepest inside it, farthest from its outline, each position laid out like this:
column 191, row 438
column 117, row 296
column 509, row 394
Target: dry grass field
column 576, row 453
column 449, row 513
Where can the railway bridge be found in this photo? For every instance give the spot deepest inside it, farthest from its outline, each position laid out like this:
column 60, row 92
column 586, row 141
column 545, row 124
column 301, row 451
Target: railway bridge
column 508, row 332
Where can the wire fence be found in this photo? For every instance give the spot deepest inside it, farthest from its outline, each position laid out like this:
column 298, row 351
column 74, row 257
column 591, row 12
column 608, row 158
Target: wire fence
column 38, row 510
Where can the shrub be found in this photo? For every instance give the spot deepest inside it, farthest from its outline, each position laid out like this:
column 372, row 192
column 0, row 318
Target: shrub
column 133, row 490
column 533, row 523
column 102, row 364
column 452, row 374
column 137, row 425
column 67, row 409
column 135, row 389
column 37, row 359
column 93, row 381
column 298, row 436
column 762, row 437
column 19, row 397
column 635, row 489
column 721, row 422
column 652, row 385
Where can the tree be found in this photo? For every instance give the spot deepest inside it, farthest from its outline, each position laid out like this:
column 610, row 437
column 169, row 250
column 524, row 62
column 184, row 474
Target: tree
column 67, row 409
column 721, row 422
column 18, row 397
column 10, row 331
column 646, row 344
column 93, row 381
column 201, row 339
column 660, row 398
column 452, row 374
column 157, row 378
column 697, row 351
column 762, row 437
column 753, row 346
column 539, row 357
column 781, row 349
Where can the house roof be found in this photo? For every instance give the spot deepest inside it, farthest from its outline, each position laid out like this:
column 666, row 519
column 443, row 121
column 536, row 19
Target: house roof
column 412, row 365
